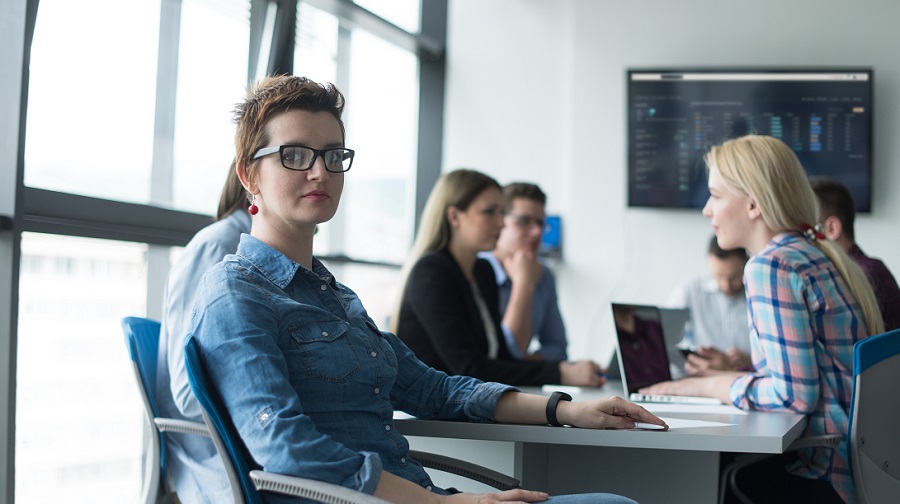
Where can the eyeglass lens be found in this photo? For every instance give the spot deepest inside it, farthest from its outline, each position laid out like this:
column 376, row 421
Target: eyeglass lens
column 526, row 221
column 302, row 158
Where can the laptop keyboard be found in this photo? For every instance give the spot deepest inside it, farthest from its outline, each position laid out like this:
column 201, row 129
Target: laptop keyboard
column 659, row 398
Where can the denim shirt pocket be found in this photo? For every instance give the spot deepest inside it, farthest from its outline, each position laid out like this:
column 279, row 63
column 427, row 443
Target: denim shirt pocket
column 326, row 349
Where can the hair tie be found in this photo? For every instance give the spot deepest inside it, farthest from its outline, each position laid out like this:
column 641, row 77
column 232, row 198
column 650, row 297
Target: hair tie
column 812, row 233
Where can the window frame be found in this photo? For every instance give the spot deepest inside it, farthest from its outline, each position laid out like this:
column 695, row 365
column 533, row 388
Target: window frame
column 27, row 209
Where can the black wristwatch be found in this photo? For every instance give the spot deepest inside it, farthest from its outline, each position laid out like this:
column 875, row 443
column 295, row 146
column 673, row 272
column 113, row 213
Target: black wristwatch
column 552, row 404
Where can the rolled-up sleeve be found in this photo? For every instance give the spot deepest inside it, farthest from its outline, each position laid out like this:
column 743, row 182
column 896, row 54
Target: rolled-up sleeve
column 425, row 392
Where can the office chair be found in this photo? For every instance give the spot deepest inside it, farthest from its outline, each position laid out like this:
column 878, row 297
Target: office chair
column 873, row 420
column 142, row 340
column 874, row 417
column 247, row 480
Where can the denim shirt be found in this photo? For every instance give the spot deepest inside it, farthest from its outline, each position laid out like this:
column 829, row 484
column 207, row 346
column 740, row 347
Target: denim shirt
column 308, row 379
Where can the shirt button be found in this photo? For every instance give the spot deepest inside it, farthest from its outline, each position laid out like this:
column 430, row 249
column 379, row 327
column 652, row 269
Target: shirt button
column 387, row 427
column 325, row 333
column 377, row 390
column 402, row 460
column 428, row 488
column 373, row 354
column 324, row 287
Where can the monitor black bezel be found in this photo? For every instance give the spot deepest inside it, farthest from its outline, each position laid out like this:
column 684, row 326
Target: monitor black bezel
column 745, row 69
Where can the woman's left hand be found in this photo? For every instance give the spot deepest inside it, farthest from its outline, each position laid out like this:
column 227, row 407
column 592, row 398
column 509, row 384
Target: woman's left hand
column 606, row 413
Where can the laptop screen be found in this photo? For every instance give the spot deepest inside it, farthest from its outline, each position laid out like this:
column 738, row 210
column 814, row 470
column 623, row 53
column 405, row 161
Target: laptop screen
column 641, row 349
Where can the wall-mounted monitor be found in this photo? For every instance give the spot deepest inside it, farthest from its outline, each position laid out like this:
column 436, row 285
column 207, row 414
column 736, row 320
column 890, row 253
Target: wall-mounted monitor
column 551, row 239
column 675, row 116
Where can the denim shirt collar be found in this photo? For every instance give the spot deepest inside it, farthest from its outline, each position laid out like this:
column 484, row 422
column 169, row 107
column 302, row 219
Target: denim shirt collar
column 275, row 266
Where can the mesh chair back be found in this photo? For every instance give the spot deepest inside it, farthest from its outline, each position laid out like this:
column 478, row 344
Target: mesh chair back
column 235, row 457
column 875, row 415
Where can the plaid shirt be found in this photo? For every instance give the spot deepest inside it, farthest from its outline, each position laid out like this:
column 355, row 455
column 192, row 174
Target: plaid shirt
column 804, row 322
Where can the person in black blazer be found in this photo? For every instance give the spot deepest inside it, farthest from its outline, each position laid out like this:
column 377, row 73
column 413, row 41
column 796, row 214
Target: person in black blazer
column 449, row 310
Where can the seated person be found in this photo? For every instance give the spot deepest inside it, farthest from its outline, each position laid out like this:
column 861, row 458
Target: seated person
column 309, row 381
column 719, row 328
column 448, row 314
column 809, row 304
column 837, row 212
column 527, row 287
column 196, row 468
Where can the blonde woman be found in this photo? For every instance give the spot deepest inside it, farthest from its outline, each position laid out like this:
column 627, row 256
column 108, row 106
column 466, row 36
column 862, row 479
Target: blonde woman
column 449, row 312
column 808, row 304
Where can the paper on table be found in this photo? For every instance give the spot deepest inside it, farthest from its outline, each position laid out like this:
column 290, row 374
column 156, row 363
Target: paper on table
column 569, row 389
column 721, row 409
column 681, row 423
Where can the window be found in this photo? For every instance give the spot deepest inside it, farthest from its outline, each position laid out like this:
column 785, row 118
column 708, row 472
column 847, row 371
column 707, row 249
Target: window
column 78, row 415
column 403, row 13
column 383, row 97
column 131, row 109
column 213, row 48
column 78, row 140
column 377, row 207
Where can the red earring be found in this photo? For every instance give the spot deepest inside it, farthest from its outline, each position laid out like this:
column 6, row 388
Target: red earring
column 253, row 209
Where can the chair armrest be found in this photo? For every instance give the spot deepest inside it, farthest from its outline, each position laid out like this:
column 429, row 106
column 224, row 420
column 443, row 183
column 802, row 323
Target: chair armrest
column 311, row 489
column 181, row 426
column 469, row 470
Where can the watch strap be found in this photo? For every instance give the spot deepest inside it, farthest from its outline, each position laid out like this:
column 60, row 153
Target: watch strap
column 552, row 404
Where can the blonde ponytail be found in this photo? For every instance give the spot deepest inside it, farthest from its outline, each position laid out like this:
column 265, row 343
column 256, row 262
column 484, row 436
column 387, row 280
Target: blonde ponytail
column 858, row 282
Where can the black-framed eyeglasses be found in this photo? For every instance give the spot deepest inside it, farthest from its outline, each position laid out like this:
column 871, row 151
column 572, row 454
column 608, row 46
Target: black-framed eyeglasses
column 301, row 158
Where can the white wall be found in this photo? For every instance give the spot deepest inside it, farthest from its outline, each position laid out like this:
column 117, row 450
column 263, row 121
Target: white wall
column 536, row 91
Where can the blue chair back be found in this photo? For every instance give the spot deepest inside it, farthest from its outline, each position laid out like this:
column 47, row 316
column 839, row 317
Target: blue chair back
column 875, row 414
column 142, row 341
column 238, row 462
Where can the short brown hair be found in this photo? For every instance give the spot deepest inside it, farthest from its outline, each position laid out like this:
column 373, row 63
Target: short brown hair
column 272, row 96
column 835, row 199
column 720, row 253
column 522, row 190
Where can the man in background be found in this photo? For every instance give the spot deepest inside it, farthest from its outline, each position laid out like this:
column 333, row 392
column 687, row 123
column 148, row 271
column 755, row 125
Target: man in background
column 719, row 329
column 837, row 212
column 528, row 303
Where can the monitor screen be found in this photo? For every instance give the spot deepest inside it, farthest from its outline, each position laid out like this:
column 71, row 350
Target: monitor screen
column 675, row 116
column 551, row 239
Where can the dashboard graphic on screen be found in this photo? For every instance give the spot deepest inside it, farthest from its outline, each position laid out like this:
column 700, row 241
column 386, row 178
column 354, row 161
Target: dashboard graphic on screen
column 675, row 116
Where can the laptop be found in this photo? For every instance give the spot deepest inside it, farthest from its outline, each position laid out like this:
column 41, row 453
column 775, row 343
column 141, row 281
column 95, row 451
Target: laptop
column 644, row 355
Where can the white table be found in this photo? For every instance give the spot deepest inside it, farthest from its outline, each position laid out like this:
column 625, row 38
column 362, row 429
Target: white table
column 681, row 465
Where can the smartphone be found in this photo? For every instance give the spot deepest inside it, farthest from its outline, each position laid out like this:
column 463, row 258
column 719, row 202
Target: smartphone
column 685, row 351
